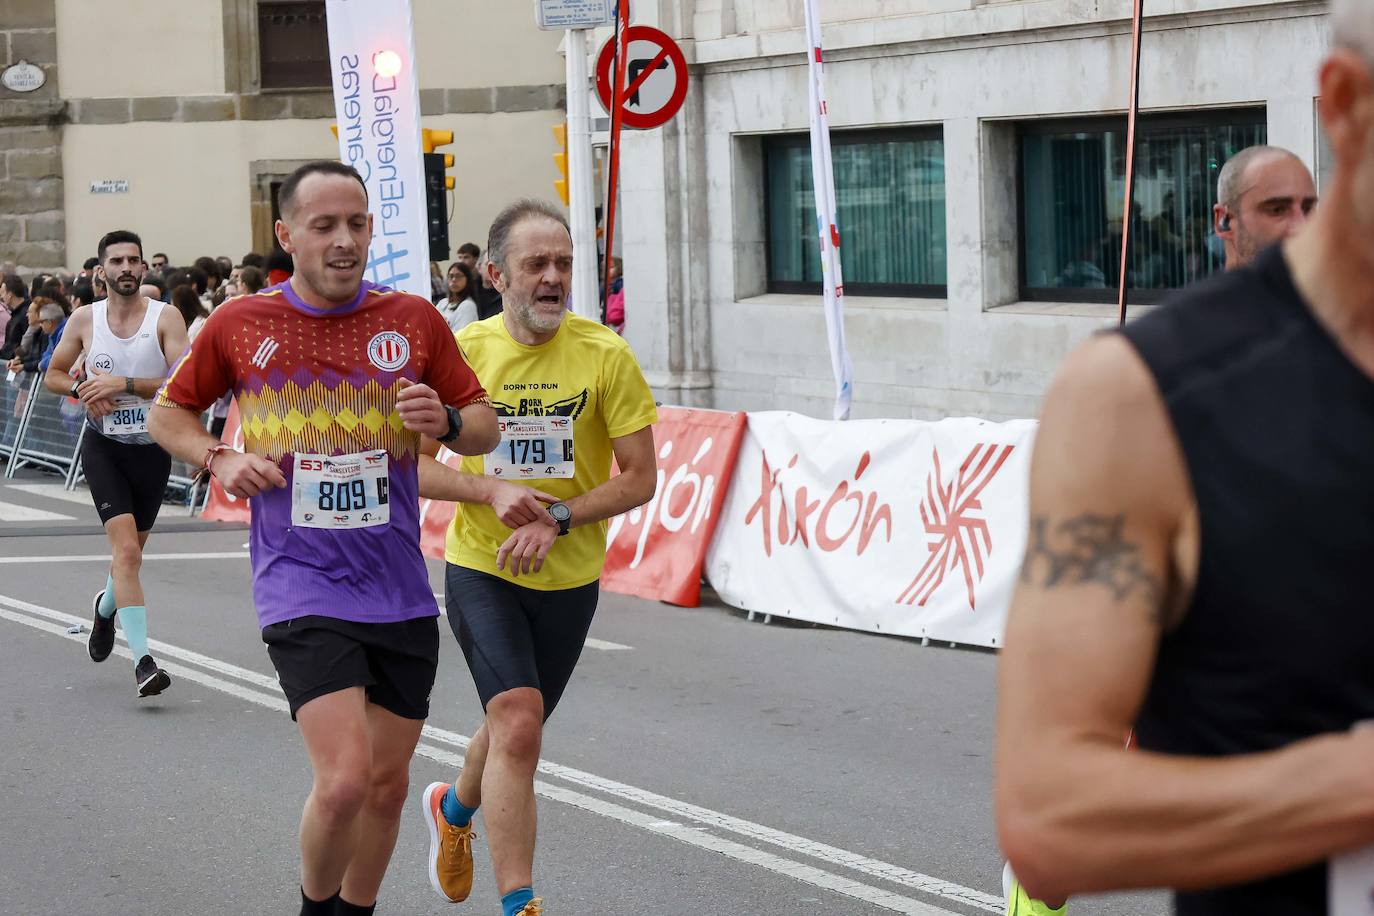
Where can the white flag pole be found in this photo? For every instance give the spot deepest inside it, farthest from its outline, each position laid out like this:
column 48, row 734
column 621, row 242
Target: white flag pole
column 823, row 177
column 582, row 190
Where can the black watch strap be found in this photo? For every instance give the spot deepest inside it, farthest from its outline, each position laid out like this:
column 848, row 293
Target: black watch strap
column 455, row 425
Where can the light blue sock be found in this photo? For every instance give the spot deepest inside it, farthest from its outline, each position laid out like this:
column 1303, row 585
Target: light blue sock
column 134, row 622
column 514, row 902
column 106, row 608
column 455, row 812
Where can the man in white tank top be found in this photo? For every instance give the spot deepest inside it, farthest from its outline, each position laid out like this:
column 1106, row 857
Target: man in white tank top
column 128, row 342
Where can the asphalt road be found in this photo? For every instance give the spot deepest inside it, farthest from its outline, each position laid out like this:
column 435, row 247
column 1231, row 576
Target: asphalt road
column 699, row 763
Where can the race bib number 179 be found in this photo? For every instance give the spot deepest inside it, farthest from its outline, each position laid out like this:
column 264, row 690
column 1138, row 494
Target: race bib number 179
column 341, row 491
column 533, row 448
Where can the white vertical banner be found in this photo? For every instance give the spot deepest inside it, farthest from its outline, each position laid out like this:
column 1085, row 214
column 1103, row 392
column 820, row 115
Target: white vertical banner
column 377, row 104
column 827, row 225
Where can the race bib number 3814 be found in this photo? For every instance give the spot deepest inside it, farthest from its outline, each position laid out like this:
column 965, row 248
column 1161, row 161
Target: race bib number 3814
column 340, row 491
column 533, row 448
column 129, row 418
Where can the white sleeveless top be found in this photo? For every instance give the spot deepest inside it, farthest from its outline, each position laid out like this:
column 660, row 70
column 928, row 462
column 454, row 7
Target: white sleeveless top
column 139, row 356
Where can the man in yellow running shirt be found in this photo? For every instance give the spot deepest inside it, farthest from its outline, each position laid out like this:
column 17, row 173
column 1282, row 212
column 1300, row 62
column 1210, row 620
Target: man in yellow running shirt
column 529, row 538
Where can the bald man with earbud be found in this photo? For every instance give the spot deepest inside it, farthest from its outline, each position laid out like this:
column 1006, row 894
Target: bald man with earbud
column 1265, row 194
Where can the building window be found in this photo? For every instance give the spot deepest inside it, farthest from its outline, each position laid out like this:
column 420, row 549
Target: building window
column 1073, row 184
column 890, row 197
column 293, row 45
column 1326, row 159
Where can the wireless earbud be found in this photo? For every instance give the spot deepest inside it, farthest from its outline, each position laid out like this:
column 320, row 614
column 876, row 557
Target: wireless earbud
column 1226, row 223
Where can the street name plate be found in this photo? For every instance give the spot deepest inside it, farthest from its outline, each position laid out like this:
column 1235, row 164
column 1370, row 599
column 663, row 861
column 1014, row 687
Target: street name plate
column 23, row 77
column 575, row 14
column 110, row 186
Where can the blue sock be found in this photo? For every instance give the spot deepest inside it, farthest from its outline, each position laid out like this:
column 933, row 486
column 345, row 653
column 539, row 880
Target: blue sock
column 134, row 622
column 455, row 812
column 106, row 608
column 514, row 902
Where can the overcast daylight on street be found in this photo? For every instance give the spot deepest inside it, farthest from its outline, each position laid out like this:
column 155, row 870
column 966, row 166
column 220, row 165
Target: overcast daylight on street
column 610, row 457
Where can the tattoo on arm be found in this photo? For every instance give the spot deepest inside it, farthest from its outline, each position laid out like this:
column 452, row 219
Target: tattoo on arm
column 1090, row 549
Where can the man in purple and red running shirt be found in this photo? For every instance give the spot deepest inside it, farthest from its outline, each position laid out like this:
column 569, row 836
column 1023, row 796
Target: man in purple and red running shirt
column 336, row 380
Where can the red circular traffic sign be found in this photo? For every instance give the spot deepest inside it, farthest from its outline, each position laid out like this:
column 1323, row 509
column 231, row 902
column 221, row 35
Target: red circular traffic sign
column 655, row 82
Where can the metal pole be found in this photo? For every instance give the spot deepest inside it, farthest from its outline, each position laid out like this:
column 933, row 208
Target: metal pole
column 581, row 178
column 622, row 40
column 1131, row 117
column 74, row 471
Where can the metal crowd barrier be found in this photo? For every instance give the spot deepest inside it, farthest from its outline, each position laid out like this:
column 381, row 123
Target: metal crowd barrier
column 49, row 430
column 42, row 429
column 14, row 396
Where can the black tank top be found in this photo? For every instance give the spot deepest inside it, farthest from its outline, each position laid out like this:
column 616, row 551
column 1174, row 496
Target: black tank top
column 1277, row 430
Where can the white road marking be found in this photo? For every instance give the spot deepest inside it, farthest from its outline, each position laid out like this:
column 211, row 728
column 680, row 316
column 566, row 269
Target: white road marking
column 10, row 512
column 55, row 491
column 105, row 557
column 82, row 497
column 605, row 646
column 601, row 644
column 695, row 836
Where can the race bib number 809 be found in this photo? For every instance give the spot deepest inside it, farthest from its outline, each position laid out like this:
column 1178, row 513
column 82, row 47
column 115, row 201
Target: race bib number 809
column 341, row 491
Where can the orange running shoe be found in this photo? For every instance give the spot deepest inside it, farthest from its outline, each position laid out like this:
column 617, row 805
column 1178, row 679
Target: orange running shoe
column 450, row 849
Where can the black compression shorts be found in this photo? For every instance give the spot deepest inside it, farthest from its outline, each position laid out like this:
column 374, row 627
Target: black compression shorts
column 395, row 663
column 514, row 636
column 125, row 479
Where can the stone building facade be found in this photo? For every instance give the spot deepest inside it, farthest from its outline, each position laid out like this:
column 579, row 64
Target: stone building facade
column 1004, row 121
column 175, row 102
column 32, row 228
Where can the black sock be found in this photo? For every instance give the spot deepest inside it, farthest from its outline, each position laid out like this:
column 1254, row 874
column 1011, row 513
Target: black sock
column 344, row 908
column 318, row 907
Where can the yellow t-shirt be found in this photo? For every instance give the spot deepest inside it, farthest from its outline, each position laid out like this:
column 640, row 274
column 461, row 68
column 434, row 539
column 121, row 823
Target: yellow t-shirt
column 587, row 372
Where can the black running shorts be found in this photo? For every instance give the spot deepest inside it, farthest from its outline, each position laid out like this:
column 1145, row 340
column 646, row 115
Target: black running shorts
column 125, row 479
column 514, row 636
column 395, row 663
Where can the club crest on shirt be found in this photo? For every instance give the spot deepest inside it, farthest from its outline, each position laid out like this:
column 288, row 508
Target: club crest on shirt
column 102, row 362
column 388, row 351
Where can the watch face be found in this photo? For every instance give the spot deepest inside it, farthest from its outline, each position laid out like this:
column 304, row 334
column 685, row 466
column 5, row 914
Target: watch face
column 560, row 512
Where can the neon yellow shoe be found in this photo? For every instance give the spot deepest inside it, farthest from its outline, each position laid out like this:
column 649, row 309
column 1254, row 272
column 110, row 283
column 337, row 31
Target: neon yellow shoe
column 1019, row 903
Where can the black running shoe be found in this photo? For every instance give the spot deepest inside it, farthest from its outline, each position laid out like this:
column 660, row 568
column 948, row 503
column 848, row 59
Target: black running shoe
column 101, row 642
column 151, row 679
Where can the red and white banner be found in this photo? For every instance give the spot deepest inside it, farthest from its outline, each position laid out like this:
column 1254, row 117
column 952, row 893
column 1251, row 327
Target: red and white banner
column 223, row 506
column 892, row 526
column 437, row 517
column 657, row 550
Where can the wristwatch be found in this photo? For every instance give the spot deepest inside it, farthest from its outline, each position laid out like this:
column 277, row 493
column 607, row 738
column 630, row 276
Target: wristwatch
column 455, row 425
column 75, row 385
column 129, row 385
column 563, row 515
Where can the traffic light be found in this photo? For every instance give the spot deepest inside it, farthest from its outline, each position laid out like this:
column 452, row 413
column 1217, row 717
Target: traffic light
column 560, row 159
column 437, row 185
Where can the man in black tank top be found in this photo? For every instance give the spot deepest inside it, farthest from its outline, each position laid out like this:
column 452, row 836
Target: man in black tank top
column 1198, row 569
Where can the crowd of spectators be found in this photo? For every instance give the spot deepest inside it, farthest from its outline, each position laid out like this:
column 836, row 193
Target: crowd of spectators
column 34, row 311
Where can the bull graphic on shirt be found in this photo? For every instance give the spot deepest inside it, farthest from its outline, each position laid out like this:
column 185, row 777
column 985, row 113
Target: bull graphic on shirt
column 535, row 407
